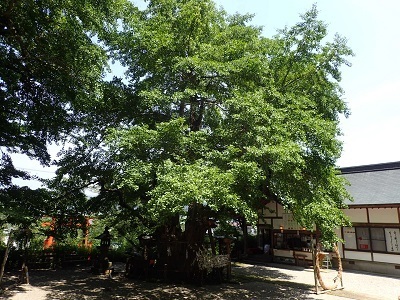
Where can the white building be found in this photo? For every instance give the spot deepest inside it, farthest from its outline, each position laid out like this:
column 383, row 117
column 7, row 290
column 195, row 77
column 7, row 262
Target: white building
column 373, row 241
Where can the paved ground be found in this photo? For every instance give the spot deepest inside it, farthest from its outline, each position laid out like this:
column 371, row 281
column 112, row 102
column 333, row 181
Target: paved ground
column 357, row 285
column 249, row 282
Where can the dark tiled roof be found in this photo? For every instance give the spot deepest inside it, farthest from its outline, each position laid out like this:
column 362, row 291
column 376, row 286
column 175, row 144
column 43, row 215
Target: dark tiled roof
column 377, row 184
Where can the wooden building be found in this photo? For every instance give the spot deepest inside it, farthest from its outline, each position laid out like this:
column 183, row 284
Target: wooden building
column 373, row 241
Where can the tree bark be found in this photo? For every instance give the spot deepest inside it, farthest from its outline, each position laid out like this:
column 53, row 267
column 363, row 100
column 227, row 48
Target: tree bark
column 195, row 232
column 6, row 252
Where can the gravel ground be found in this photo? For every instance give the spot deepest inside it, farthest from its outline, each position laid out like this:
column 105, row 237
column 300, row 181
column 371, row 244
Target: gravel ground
column 248, row 282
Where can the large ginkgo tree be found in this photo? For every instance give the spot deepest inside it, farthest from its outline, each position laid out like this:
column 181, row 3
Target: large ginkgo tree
column 211, row 120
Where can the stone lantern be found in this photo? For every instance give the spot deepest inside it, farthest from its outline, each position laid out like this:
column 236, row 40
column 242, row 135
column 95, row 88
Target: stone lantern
column 105, row 240
column 103, row 264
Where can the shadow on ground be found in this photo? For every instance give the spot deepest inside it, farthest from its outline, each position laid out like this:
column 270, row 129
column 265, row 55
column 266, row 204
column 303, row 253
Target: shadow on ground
column 248, row 282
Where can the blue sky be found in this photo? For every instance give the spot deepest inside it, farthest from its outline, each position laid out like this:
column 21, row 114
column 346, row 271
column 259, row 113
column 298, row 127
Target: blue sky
column 372, row 84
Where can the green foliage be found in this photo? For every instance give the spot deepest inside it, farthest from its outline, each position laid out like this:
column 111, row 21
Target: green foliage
column 232, row 117
column 226, row 229
column 49, row 65
column 52, row 63
column 22, row 206
column 209, row 114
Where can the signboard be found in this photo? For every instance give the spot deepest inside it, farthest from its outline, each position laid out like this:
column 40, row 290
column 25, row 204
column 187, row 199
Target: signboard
column 392, row 239
column 349, row 236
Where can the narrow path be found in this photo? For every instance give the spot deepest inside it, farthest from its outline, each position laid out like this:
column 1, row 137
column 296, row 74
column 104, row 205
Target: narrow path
column 28, row 292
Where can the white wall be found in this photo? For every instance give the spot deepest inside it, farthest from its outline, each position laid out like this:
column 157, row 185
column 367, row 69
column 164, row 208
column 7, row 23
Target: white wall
column 270, row 210
column 356, row 215
column 383, row 215
column 387, row 258
column 358, row 255
column 280, row 210
column 277, row 223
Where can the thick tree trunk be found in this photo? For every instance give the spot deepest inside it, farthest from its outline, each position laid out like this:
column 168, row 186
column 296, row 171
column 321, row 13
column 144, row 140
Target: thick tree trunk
column 196, row 226
column 177, row 250
column 24, row 268
column 195, row 232
column 169, row 244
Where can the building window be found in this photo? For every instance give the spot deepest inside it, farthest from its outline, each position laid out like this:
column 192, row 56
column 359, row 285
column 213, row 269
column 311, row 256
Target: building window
column 292, row 240
column 378, row 239
column 363, row 239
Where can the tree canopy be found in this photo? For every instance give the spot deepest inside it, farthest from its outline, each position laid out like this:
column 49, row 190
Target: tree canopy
column 50, row 68
column 210, row 119
column 52, row 64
